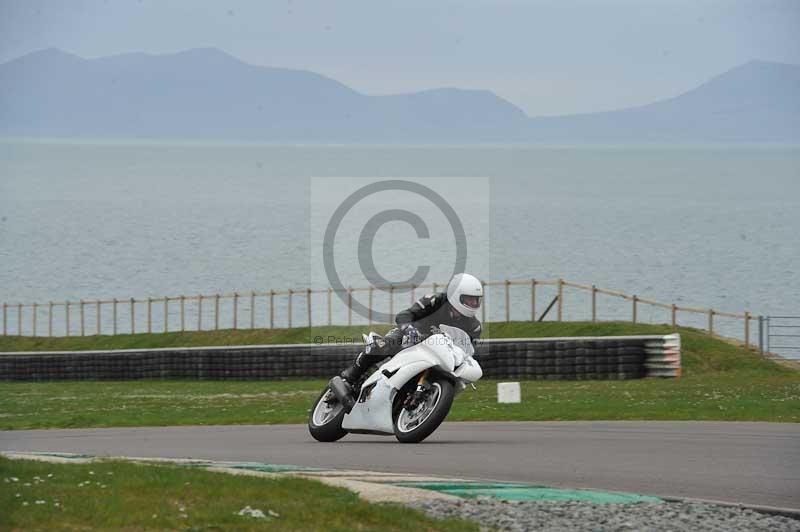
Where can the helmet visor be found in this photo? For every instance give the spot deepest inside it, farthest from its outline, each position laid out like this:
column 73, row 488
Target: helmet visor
column 473, row 302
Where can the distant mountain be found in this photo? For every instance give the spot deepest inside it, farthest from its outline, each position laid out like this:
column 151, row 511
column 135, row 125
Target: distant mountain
column 206, row 93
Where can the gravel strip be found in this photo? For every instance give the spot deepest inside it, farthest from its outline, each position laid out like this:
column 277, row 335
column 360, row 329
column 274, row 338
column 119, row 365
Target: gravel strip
column 584, row 516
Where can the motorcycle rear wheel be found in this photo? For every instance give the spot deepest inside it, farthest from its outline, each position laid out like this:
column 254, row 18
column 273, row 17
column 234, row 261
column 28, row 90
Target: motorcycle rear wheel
column 325, row 418
column 416, row 425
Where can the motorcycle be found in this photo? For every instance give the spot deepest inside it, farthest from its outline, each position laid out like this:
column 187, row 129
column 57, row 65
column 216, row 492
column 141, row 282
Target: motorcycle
column 408, row 396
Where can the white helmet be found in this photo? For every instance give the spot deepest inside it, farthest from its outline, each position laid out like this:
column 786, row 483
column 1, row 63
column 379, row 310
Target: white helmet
column 464, row 293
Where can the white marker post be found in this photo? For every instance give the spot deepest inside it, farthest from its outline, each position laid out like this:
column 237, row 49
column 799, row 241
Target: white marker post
column 508, row 392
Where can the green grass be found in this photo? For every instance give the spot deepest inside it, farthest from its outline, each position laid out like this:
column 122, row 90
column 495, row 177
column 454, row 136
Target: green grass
column 126, row 496
column 721, row 382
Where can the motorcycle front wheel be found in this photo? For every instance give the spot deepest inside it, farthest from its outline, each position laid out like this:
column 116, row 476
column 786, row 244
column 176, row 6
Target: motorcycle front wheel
column 414, row 425
column 325, row 419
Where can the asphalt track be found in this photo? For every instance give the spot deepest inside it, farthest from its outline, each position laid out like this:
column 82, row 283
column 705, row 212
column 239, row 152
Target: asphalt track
column 749, row 463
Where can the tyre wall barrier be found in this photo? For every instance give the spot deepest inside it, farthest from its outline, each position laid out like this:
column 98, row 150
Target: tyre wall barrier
column 581, row 358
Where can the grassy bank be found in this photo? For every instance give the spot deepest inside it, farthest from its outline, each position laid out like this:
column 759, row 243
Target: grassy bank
column 123, row 496
column 721, row 382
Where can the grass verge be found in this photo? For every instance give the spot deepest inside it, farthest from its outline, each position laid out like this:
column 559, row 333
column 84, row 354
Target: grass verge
column 721, row 382
column 124, row 496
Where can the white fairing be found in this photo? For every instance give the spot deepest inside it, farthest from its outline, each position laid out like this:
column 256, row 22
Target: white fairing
column 451, row 352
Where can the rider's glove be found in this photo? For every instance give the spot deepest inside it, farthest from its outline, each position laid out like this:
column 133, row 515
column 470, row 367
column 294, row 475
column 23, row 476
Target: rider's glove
column 411, row 333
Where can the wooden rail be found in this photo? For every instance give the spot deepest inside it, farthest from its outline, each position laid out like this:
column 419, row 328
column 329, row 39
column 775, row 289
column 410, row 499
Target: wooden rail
column 29, row 312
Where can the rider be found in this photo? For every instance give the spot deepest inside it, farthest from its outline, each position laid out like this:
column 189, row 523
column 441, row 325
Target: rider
column 457, row 307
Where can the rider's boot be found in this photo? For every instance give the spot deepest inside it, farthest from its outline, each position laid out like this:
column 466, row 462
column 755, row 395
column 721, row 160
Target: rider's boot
column 354, row 372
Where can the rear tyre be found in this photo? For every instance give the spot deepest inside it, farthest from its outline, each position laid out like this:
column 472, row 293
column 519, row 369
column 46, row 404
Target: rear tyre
column 325, row 419
column 413, row 426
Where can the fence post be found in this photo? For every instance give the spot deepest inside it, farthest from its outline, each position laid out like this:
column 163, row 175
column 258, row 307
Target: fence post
column 483, row 307
column 5, row 319
column 81, row 313
column 674, row 315
column 200, row 312
column 252, row 310
column 747, row 329
column 349, row 305
column 369, row 303
column 391, row 303
column 114, row 313
column 50, row 319
column 19, row 319
column 594, row 304
column 290, row 308
column 330, row 314
column 35, row 307
column 183, row 313
column 216, row 312
column 133, row 314
column 533, row 299
column 761, row 334
column 235, row 310
column 508, row 306
column 99, row 324
column 711, row 321
column 560, row 298
column 66, row 307
column 166, row 314
column 635, row 300
column 272, row 309
column 308, row 305
column 149, row 315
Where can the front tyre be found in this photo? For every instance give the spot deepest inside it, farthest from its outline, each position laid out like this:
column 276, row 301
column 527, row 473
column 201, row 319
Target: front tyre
column 415, row 424
column 325, row 419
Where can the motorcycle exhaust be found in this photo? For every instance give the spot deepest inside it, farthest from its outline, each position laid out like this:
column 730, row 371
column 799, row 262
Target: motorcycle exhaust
column 342, row 392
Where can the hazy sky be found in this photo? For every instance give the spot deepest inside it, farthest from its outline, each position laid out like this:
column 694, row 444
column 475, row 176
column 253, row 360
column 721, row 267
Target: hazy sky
column 548, row 57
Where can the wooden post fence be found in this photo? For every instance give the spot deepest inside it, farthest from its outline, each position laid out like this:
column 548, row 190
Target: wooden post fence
column 272, row 309
column 308, row 305
column 37, row 327
column 560, row 308
column 252, row 310
column 149, row 315
column 216, row 312
column 747, row 329
column 290, row 308
column 235, row 311
column 330, row 314
column 349, row 305
column 508, row 305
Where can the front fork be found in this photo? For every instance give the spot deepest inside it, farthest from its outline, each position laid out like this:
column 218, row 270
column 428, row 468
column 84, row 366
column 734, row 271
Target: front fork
column 413, row 399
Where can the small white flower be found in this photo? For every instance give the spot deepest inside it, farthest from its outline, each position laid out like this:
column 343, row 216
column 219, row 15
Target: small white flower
column 24, row 503
column 14, row 479
column 182, row 509
column 18, row 495
column 109, row 473
column 91, row 472
column 40, row 501
column 27, row 484
column 57, row 504
column 155, row 515
column 273, row 514
column 49, row 475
